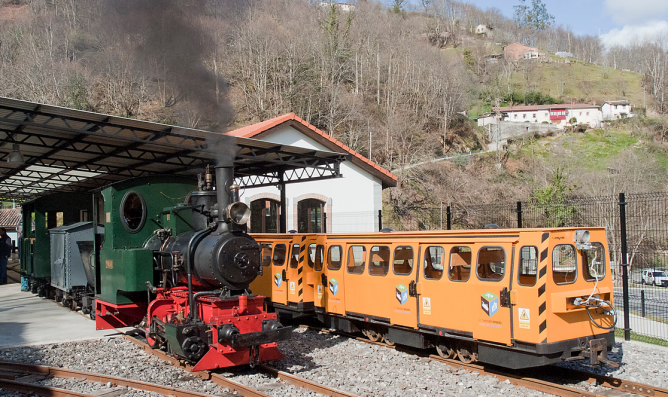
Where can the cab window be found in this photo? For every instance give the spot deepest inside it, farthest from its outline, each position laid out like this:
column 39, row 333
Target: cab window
column 564, row 264
column 379, row 260
column 491, row 263
column 334, row 257
column 319, row 257
column 433, row 263
column 460, row 264
column 403, row 260
column 279, row 254
column 294, row 258
column 356, row 259
column 528, row 269
column 266, row 254
column 593, row 262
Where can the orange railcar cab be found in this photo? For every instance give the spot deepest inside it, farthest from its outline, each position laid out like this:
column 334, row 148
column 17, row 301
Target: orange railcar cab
column 511, row 297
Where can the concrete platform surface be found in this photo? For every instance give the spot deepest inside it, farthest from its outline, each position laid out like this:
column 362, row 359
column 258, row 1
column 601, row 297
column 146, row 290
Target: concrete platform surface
column 26, row 319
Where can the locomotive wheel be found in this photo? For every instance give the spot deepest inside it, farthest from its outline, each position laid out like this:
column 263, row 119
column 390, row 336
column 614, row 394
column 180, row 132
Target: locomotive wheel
column 446, row 351
column 372, row 335
column 58, row 298
column 154, row 342
column 465, row 352
column 66, row 302
column 92, row 315
column 41, row 292
column 73, row 305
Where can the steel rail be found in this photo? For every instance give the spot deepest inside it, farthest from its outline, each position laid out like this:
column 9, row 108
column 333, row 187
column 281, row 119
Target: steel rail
column 12, row 367
column 36, row 390
column 242, row 390
column 611, row 382
column 239, row 388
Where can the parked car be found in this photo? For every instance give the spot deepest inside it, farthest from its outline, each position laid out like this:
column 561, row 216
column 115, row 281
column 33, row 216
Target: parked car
column 655, row 277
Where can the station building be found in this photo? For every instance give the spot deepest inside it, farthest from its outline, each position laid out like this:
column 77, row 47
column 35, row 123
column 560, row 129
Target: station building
column 348, row 204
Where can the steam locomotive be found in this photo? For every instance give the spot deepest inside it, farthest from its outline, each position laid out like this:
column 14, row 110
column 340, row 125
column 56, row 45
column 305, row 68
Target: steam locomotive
column 176, row 261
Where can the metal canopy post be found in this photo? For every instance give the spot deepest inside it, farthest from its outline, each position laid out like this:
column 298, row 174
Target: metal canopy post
column 284, row 208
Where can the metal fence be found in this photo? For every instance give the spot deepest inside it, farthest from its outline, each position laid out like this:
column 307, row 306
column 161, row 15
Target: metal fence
column 637, row 226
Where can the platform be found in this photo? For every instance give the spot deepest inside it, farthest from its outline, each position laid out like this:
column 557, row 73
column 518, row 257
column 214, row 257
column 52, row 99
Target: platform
column 26, row 319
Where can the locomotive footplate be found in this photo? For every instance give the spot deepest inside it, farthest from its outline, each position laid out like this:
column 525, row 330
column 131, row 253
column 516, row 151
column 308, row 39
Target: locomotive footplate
column 272, row 332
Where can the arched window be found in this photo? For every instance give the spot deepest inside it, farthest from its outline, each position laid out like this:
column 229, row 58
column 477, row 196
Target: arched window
column 311, row 216
column 264, row 216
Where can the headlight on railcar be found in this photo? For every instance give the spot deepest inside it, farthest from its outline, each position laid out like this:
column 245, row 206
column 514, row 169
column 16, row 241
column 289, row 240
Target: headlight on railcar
column 581, row 239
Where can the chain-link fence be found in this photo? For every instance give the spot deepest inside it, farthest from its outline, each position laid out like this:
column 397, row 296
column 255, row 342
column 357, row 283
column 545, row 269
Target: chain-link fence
column 637, row 227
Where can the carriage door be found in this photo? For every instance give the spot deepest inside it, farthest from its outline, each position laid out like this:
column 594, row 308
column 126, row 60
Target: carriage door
column 279, row 288
column 490, row 287
column 332, row 278
column 316, row 252
column 300, row 270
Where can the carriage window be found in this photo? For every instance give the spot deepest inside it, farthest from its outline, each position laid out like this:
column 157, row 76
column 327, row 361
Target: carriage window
column 334, row 257
column 460, row 264
column 319, row 256
column 593, row 262
column 491, row 263
column 279, row 254
column 266, row 254
column 311, row 255
column 356, row 259
column 379, row 261
column 564, row 264
column 527, row 273
column 403, row 260
column 433, row 263
column 294, row 258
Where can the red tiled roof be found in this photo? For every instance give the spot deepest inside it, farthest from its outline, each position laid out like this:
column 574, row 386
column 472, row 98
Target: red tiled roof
column 545, row 107
column 264, row 128
column 10, row 217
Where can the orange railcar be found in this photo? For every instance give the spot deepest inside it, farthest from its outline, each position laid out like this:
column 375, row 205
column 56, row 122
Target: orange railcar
column 511, row 297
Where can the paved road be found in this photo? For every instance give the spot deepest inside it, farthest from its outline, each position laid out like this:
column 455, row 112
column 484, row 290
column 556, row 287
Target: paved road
column 656, row 300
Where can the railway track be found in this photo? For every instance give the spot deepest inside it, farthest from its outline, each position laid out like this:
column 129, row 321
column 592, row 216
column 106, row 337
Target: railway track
column 21, row 377
column 240, row 389
column 535, row 381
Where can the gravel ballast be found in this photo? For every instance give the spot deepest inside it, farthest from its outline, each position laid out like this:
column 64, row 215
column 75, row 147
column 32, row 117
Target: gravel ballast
column 342, row 363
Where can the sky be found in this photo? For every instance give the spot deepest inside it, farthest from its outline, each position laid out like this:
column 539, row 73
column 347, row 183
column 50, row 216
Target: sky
column 618, row 21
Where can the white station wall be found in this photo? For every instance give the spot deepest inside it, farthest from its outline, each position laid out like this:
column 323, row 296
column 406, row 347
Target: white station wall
column 354, row 199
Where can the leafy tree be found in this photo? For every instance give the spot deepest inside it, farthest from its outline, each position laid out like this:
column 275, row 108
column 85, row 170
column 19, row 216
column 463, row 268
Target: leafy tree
column 534, row 16
column 551, row 200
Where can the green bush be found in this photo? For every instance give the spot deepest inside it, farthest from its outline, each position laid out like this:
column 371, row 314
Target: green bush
column 573, row 120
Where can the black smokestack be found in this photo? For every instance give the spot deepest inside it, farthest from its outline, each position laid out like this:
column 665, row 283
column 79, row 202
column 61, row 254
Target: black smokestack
column 170, row 39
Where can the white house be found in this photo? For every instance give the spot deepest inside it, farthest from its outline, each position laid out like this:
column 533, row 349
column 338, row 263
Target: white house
column 341, row 6
column 348, row 204
column 560, row 115
column 483, row 29
column 613, row 110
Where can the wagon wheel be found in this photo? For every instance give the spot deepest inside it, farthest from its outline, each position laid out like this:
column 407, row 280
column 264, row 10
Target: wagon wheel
column 446, row 351
column 73, row 305
column 372, row 335
column 465, row 352
column 387, row 340
column 58, row 298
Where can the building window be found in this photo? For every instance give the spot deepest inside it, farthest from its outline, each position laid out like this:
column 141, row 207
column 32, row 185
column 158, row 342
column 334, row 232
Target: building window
column 524, row 116
column 515, row 116
column 264, row 216
column 580, row 113
column 587, row 113
column 311, row 216
column 534, row 115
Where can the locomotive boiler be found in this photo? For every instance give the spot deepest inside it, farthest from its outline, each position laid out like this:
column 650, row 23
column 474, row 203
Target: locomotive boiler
column 196, row 263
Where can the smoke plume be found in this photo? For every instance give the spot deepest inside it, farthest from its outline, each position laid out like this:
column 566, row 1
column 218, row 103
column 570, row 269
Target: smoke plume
column 170, row 39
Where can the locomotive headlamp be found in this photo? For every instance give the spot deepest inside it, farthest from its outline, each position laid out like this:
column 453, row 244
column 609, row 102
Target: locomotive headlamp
column 238, row 213
column 582, row 239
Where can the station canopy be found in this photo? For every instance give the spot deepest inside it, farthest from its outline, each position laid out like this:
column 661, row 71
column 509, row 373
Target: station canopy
column 46, row 149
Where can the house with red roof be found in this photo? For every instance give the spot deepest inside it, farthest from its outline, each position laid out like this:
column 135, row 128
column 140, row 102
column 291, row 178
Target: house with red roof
column 347, row 204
